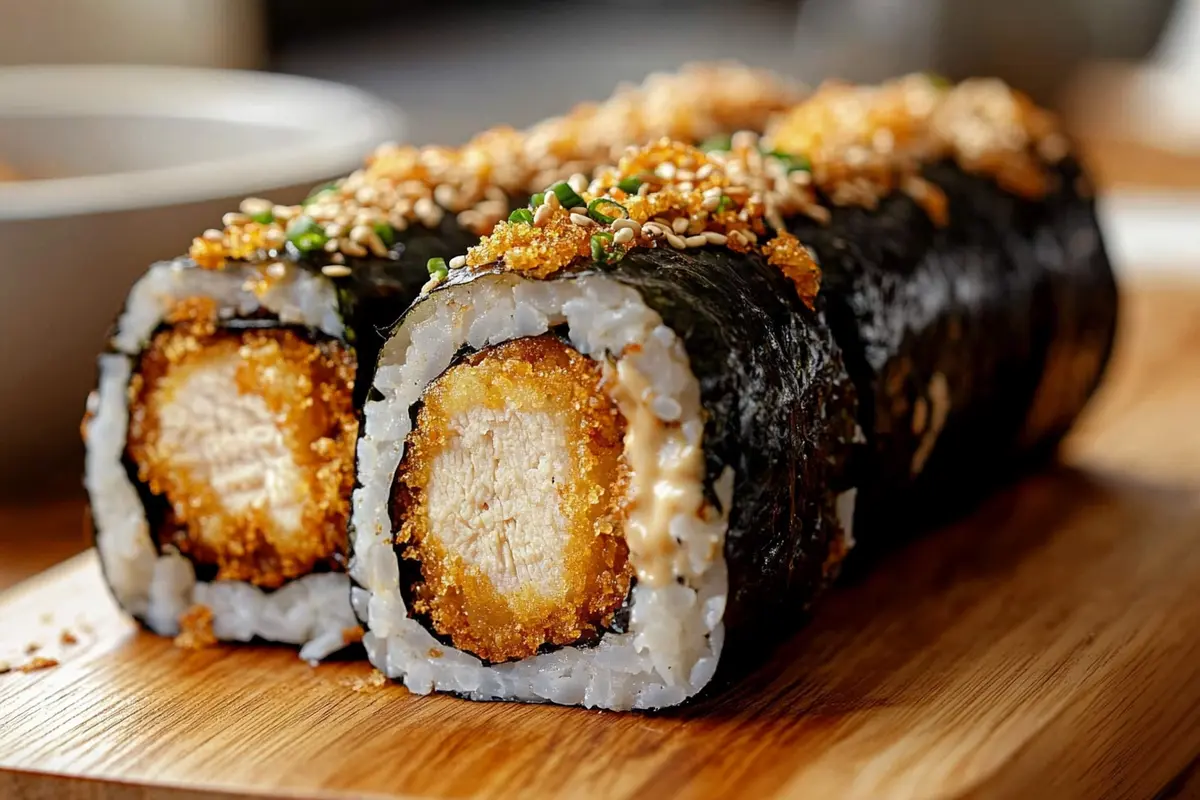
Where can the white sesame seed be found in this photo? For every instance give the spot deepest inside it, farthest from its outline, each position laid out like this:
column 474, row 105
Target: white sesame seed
column 424, row 207
column 631, row 224
column 366, row 195
column 277, row 269
column 751, row 236
column 335, row 270
column 705, row 171
column 458, row 262
column 623, row 235
column 578, row 182
column 542, row 215
column 351, row 248
column 711, row 203
column 552, row 200
column 361, row 234
column 715, row 238
column 333, row 230
column 680, row 225
column 253, row 206
column 445, row 195
column 582, row 220
column 579, row 210
column 333, row 244
column 743, row 140
column 654, row 230
column 699, row 240
column 676, row 242
column 234, row 218
column 213, row 235
column 684, row 186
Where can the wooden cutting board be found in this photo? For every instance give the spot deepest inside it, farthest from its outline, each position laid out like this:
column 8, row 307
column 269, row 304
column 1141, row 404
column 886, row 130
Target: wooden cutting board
column 1047, row 647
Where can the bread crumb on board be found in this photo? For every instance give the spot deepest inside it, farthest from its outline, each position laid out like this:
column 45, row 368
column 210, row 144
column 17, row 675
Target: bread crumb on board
column 371, row 683
column 37, row 664
column 67, row 639
column 196, row 629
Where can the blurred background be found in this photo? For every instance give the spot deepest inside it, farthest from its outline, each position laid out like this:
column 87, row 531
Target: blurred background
column 1124, row 73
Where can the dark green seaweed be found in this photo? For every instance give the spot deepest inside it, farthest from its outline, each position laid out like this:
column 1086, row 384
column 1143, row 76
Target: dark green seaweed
column 1013, row 300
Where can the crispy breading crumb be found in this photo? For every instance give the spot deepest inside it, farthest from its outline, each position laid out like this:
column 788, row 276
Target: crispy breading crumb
column 196, row 629
column 67, row 638
column 371, row 683
column 38, row 664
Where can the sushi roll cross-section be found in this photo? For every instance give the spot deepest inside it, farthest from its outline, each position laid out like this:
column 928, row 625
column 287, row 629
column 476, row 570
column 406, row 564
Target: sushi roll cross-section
column 708, row 373
column 220, row 440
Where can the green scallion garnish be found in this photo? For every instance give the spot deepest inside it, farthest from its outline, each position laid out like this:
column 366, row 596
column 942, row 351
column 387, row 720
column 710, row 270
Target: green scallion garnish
column 319, row 191
column 600, row 242
column 566, row 195
column 437, row 268
column 722, row 143
column 724, row 203
column 385, row 232
column 263, row 217
column 537, row 199
column 938, row 80
column 306, row 235
column 793, row 162
column 521, row 215
column 594, row 210
column 630, row 185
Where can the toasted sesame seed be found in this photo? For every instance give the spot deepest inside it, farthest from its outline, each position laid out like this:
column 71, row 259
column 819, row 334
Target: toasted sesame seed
column 253, row 206
column 711, row 203
column 715, row 238
column 445, row 195
column 361, row 234
column 333, row 245
column 699, row 240
column 582, row 220
column 366, row 195
column 334, row 229
column 458, row 262
column 579, row 210
column 705, row 171
column 631, row 224
column 335, row 270
column 214, row 235
column 578, row 182
column 234, row 218
column 276, row 269
column 623, row 236
column 542, row 215
column 552, row 200
column 351, row 248
column 680, row 225
column 676, row 242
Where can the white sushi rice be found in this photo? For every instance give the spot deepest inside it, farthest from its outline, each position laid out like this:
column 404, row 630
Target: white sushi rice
column 673, row 644
column 312, row 611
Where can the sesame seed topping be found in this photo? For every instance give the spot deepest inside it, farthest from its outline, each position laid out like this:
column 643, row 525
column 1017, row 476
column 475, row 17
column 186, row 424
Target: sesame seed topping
column 680, row 225
column 676, row 242
column 276, row 269
column 335, row 270
column 458, row 262
column 699, row 240
column 582, row 220
column 623, row 236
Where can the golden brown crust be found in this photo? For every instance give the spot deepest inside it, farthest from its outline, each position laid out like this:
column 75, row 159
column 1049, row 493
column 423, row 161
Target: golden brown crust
column 526, row 376
column 278, row 366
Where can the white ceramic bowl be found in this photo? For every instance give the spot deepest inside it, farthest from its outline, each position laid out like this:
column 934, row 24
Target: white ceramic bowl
column 122, row 167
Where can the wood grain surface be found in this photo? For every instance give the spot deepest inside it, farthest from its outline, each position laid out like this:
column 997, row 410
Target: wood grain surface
column 1049, row 646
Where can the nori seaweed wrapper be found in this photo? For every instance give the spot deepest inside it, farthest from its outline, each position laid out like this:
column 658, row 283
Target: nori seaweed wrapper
column 1013, row 300
column 780, row 411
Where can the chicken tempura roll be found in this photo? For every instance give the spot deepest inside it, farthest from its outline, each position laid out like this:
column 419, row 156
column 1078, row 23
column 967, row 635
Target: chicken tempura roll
column 603, row 445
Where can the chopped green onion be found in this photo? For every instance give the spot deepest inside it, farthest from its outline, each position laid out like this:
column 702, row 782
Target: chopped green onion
column 724, row 204
column 600, row 241
column 318, row 191
column 938, row 80
column 306, row 235
column 386, row 233
column 521, row 215
column 263, row 217
column 437, row 268
column 793, row 163
column 630, row 185
column 716, row 143
column 537, row 199
column 593, row 210
column 566, row 195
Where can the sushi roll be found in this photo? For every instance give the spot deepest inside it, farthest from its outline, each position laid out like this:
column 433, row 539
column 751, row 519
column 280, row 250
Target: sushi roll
column 505, row 546
column 220, row 439
column 614, row 437
column 966, row 279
